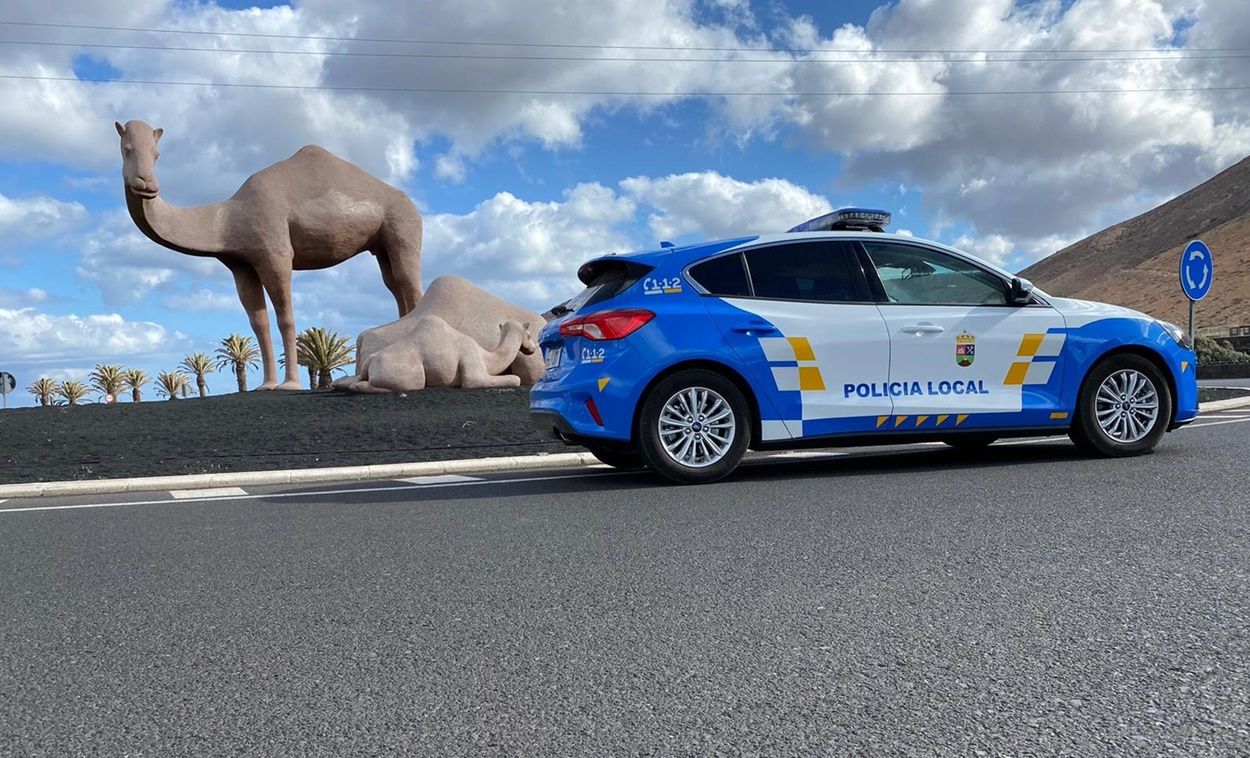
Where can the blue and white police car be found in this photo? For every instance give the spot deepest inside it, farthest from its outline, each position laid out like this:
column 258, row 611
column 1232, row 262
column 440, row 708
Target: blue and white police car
column 683, row 358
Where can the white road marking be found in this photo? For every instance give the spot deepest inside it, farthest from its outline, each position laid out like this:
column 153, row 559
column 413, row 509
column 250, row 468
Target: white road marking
column 1199, row 424
column 316, row 493
column 804, row 454
column 206, row 494
column 440, row 479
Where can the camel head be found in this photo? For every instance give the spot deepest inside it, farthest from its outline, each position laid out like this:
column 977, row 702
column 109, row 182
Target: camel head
column 139, row 156
column 528, row 346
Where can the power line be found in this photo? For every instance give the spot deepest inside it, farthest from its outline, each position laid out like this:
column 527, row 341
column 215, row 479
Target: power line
column 591, row 58
column 583, row 46
column 611, row 93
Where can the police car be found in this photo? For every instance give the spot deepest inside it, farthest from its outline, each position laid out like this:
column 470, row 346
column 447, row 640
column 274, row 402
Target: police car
column 683, row 358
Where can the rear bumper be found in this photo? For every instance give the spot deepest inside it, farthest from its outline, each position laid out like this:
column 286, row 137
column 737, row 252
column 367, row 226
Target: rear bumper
column 552, row 425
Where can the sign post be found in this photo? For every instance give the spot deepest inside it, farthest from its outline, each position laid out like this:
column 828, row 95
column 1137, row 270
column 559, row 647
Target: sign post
column 7, row 385
column 1197, row 272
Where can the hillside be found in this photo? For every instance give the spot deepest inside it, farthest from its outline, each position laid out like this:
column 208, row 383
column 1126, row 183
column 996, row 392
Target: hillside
column 1134, row 263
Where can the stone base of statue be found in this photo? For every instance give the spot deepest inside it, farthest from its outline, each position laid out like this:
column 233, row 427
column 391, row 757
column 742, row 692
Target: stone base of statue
column 458, row 335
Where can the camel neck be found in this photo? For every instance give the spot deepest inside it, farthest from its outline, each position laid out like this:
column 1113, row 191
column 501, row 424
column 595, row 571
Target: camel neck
column 195, row 231
column 503, row 356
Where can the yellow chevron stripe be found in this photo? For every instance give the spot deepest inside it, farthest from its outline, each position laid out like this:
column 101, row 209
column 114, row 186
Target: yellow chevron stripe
column 921, row 419
column 802, row 349
column 881, row 420
column 1029, row 344
column 941, row 420
column 961, row 418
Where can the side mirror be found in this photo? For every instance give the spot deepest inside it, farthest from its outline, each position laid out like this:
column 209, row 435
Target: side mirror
column 1021, row 291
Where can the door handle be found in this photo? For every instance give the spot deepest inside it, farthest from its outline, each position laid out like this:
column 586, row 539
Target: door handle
column 755, row 328
column 922, row 328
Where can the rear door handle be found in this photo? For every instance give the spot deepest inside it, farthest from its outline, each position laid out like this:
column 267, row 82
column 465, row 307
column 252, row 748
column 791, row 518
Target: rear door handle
column 756, row 328
column 922, row 328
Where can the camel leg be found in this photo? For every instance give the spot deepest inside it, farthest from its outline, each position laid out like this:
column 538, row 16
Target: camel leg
column 473, row 375
column 278, row 285
column 398, row 372
column 402, row 242
column 388, row 278
column 252, row 296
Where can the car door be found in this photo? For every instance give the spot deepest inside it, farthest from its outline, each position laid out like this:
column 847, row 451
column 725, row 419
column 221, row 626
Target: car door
column 807, row 332
column 962, row 355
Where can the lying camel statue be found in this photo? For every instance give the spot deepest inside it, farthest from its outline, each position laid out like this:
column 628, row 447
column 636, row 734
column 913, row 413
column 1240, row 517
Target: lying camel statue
column 310, row 211
column 466, row 308
column 436, row 355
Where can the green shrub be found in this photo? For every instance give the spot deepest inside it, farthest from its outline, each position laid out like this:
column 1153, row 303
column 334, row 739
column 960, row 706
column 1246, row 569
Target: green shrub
column 1213, row 351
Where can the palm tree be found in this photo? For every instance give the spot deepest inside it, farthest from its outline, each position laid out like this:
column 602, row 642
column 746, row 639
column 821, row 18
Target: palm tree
column 72, row 391
column 199, row 365
column 108, row 379
column 134, row 379
column 324, row 351
column 44, row 389
column 172, row 384
column 240, row 353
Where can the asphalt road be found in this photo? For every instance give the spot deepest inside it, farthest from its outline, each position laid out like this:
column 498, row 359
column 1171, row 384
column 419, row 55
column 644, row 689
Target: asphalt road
column 922, row 601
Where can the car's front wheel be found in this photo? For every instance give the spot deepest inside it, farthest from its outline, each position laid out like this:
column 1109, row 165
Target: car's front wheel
column 1124, row 408
column 694, row 427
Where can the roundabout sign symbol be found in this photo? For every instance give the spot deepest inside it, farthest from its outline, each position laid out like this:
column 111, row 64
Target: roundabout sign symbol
column 1197, row 270
column 1197, row 274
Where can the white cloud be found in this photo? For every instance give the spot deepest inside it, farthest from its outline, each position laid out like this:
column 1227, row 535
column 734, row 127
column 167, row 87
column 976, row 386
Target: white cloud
column 29, row 335
column 450, row 166
column 15, row 298
column 127, row 266
column 39, row 217
column 719, row 206
column 994, row 248
column 201, row 300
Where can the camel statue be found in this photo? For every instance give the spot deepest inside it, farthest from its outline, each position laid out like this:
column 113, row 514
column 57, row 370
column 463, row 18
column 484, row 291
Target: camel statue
column 467, row 309
column 436, row 355
column 310, row 211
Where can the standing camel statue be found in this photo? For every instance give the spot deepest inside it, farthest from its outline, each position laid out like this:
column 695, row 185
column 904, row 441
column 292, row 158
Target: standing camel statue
column 310, row 211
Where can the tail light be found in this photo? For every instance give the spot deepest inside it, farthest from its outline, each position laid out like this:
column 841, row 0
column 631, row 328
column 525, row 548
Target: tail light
column 607, row 325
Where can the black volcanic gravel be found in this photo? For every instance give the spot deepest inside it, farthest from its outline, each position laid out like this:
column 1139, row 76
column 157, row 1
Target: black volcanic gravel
column 263, row 431
column 273, row 430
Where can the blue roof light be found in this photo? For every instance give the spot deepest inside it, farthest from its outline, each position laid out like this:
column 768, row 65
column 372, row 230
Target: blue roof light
column 847, row 219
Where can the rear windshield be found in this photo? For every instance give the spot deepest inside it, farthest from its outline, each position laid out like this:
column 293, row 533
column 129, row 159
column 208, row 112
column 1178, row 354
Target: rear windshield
column 606, row 284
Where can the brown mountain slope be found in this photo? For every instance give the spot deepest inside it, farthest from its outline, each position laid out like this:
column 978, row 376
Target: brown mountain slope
column 1134, row 263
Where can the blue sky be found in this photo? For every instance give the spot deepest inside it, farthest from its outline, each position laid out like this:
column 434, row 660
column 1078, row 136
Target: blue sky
column 517, row 189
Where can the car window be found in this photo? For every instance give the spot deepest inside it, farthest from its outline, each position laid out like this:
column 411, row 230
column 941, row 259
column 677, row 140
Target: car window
column 914, row 275
column 815, row 271
column 607, row 284
column 722, row 276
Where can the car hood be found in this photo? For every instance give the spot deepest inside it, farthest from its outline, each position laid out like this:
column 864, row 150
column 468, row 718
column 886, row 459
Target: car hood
column 1089, row 310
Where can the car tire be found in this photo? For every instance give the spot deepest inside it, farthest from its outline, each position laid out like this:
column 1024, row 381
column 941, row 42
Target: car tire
column 625, row 460
column 1114, row 392
column 970, row 441
column 690, row 451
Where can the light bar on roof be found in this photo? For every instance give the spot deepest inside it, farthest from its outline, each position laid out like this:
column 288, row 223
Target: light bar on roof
column 847, row 219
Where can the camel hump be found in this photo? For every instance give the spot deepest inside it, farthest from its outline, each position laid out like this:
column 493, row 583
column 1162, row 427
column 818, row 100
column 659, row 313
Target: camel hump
column 315, row 151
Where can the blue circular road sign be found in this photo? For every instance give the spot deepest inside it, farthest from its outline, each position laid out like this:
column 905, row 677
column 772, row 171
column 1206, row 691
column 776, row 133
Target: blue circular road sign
column 1197, row 270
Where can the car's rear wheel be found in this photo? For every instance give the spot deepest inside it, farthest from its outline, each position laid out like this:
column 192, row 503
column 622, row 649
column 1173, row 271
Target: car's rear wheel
column 1124, row 408
column 970, row 441
column 626, row 460
column 694, row 427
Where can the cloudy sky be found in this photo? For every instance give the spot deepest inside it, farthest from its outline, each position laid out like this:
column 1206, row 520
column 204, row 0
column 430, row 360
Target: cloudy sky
column 534, row 135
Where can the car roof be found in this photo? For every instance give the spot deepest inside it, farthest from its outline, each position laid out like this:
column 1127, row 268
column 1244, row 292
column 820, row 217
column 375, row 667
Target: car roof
column 687, row 254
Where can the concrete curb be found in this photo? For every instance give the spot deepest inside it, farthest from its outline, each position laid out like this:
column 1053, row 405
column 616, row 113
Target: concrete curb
column 296, row 476
column 350, row 473
column 1224, row 405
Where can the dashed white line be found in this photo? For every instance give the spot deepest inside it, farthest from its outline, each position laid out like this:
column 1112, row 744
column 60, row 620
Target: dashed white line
column 316, row 493
column 207, row 494
column 441, row 479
